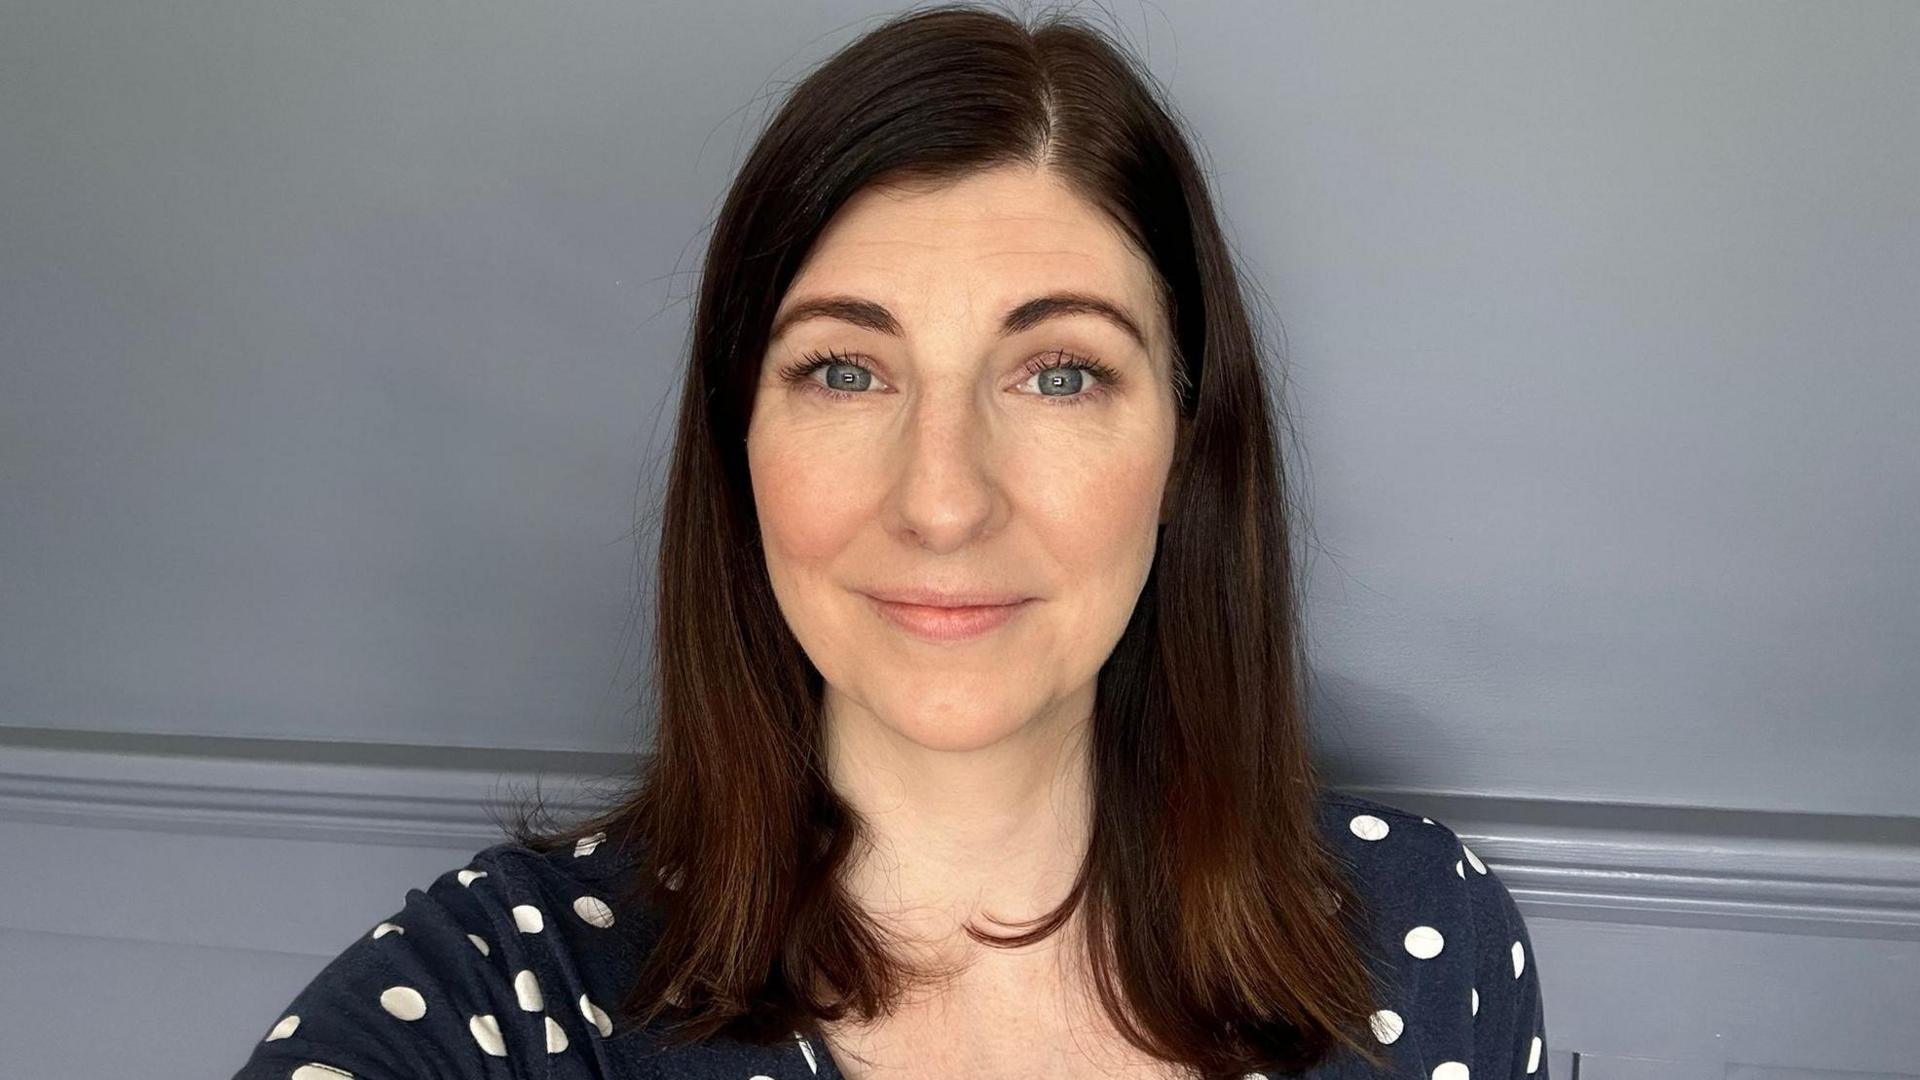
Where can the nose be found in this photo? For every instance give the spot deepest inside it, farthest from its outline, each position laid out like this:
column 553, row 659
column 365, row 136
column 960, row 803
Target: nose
column 946, row 482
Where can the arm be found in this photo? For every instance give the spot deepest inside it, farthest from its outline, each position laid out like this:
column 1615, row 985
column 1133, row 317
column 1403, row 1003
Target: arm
column 1509, row 1023
column 442, row 990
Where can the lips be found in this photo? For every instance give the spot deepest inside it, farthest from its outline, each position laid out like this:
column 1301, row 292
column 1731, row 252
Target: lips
column 929, row 597
column 947, row 623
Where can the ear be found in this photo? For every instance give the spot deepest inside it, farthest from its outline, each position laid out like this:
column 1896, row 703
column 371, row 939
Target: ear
column 1180, row 442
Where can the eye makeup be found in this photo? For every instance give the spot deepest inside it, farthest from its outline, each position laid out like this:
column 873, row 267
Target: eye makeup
column 800, row 373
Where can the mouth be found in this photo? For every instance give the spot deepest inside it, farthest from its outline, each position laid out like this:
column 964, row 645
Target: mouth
column 947, row 624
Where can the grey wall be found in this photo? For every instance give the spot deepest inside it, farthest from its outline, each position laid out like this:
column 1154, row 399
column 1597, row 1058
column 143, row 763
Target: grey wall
column 337, row 348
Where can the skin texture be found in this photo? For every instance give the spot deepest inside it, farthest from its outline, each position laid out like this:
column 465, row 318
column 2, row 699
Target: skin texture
column 951, row 470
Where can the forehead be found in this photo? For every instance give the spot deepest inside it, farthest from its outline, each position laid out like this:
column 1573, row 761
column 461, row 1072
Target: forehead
column 990, row 235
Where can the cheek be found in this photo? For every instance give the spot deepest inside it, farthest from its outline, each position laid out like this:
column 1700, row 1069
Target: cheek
column 812, row 514
column 1098, row 507
column 1092, row 517
column 809, row 508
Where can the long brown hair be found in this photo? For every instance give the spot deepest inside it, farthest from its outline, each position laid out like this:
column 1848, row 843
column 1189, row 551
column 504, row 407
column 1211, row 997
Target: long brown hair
column 1220, row 933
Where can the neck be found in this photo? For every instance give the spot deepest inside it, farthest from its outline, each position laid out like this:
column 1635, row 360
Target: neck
column 959, row 835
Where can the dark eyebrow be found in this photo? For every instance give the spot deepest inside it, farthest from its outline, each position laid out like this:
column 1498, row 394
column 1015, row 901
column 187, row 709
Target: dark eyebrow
column 869, row 315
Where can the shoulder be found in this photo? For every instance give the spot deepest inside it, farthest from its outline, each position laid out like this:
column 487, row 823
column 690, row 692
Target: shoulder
column 576, row 878
column 1413, row 867
column 514, row 956
column 1450, row 948
column 1382, row 836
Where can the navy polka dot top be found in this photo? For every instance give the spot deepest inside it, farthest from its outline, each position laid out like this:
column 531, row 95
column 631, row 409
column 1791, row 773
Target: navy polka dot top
column 504, row 968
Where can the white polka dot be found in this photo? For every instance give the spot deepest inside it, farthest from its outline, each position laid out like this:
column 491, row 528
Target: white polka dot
column 469, row 876
column 1425, row 942
column 1427, row 820
column 1478, row 866
column 1475, row 1011
column 486, row 1032
column 1387, row 1025
column 480, row 943
column 594, row 910
column 806, row 1051
column 404, row 1002
column 1533, row 1055
column 596, row 1016
column 526, row 989
column 313, row 1070
column 674, row 881
column 1450, row 1070
column 759, row 1076
column 1254, row 1076
column 585, row 845
column 386, row 928
column 1457, row 869
column 1519, row 959
column 527, row 918
column 283, row 1029
column 1368, row 827
column 556, row 1038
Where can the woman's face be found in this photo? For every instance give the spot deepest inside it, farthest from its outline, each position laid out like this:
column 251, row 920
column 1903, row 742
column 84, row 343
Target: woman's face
column 946, row 447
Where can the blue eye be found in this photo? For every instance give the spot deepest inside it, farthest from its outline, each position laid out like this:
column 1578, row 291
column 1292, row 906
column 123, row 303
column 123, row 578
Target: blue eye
column 848, row 376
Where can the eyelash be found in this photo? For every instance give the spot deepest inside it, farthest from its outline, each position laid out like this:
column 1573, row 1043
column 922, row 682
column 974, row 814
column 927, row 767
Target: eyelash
column 802, row 371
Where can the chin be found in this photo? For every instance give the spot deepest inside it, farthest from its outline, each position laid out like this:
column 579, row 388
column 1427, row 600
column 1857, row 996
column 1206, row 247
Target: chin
column 953, row 723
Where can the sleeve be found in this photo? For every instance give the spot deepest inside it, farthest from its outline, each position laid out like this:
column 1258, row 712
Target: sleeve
column 1509, row 1022
column 424, row 995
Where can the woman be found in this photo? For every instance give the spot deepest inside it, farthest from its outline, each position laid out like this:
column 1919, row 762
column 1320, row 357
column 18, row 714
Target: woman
column 975, row 606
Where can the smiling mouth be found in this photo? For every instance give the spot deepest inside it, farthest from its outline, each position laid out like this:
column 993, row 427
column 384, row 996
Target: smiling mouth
column 947, row 624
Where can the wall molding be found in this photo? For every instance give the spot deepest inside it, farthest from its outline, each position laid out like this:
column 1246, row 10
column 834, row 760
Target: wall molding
column 1804, row 873
column 352, row 792
column 1840, row 875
